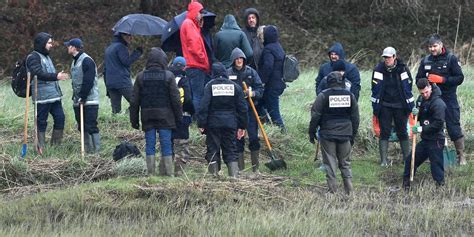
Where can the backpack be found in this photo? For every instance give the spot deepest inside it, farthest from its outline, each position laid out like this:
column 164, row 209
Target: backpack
column 19, row 79
column 125, row 149
column 291, row 69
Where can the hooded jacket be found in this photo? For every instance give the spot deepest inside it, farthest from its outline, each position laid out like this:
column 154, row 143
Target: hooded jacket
column 251, row 33
column 155, row 95
column 245, row 74
column 192, row 43
column 446, row 65
column 228, row 38
column 40, row 65
column 118, row 62
column 270, row 66
column 432, row 115
column 223, row 104
column 351, row 73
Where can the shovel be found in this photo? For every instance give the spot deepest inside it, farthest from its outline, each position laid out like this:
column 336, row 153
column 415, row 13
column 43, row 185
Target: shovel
column 274, row 164
column 39, row 150
column 25, row 130
column 413, row 146
column 81, row 108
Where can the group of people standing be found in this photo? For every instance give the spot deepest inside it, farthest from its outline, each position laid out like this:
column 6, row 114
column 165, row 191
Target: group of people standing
column 207, row 82
column 335, row 116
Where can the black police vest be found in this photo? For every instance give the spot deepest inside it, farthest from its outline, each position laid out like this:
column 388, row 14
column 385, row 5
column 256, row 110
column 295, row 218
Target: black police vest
column 337, row 105
column 155, row 92
column 439, row 66
column 223, row 94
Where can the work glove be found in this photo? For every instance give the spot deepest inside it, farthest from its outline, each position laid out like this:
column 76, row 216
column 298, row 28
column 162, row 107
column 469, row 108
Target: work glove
column 139, row 49
column 249, row 92
column 415, row 111
column 312, row 137
column 436, row 78
column 416, row 129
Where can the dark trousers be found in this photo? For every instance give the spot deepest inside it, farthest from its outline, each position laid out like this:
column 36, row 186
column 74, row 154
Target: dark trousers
column 336, row 154
column 432, row 150
column 90, row 118
column 271, row 101
column 399, row 118
column 115, row 96
column 198, row 79
column 221, row 139
column 56, row 110
column 453, row 117
column 252, row 131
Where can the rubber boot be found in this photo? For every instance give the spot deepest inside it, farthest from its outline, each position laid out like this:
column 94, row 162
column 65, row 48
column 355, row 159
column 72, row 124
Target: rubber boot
column 254, row 158
column 233, row 169
column 348, row 186
column 178, row 166
column 459, row 145
column 41, row 139
column 241, row 161
column 405, row 145
column 213, row 168
column 406, row 183
column 150, row 164
column 383, row 150
column 57, row 137
column 96, row 142
column 88, row 143
column 168, row 165
column 332, row 185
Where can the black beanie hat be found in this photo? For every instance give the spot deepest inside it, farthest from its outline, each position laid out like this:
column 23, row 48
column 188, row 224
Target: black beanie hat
column 219, row 70
column 335, row 79
column 338, row 65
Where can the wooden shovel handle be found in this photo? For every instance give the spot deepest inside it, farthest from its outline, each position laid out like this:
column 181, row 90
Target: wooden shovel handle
column 413, row 146
column 25, row 130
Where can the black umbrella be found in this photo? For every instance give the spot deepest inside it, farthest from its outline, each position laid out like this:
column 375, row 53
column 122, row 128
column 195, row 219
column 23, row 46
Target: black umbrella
column 170, row 40
column 140, row 24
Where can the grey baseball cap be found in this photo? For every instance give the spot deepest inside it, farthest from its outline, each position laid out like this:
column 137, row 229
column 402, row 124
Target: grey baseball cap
column 389, row 52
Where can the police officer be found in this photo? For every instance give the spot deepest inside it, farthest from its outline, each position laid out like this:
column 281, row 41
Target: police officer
column 221, row 115
column 85, row 91
column 336, row 113
column 392, row 100
column 443, row 68
column 240, row 72
column 432, row 112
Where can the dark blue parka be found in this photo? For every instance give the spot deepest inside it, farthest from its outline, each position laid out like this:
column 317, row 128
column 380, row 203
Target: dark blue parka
column 351, row 72
column 398, row 81
column 432, row 115
column 270, row 66
column 446, row 65
column 117, row 63
column 223, row 104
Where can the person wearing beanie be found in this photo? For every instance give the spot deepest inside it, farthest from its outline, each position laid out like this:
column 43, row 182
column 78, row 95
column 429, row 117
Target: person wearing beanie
column 392, row 101
column 335, row 53
column 85, row 93
column 222, row 114
column 337, row 66
column 336, row 113
column 240, row 72
column 180, row 134
column 444, row 69
column 117, row 75
column 46, row 93
column 156, row 104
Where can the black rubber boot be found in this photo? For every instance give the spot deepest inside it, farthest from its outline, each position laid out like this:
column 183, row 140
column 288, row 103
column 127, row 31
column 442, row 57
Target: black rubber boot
column 405, row 145
column 96, row 142
column 57, row 137
column 233, row 169
column 383, row 150
column 241, row 161
column 348, row 186
column 332, row 185
column 41, row 139
column 254, row 158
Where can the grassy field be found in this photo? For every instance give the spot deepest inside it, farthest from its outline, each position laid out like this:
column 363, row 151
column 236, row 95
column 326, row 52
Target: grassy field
column 110, row 200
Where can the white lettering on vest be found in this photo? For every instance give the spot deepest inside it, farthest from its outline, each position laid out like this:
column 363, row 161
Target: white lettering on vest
column 339, row 101
column 223, row 90
column 427, row 67
column 233, row 77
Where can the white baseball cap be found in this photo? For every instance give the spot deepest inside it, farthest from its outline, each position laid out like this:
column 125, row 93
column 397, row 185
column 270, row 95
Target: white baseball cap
column 389, row 52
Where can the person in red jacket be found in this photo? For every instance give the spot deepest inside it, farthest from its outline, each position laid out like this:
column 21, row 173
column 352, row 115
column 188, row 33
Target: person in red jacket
column 194, row 51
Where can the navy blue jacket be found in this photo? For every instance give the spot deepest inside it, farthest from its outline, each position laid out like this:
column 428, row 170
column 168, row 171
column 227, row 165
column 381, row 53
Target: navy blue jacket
column 432, row 115
column 270, row 66
column 445, row 65
column 117, row 64
column 351, row 72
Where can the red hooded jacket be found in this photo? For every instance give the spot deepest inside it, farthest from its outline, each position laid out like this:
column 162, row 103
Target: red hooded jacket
column 192, row 43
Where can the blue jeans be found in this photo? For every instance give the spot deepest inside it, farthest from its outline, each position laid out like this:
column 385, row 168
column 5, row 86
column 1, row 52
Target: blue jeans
column 165, row 142
column 198, row 79
column 432, row 150
column 56, row 110
column 271, row 100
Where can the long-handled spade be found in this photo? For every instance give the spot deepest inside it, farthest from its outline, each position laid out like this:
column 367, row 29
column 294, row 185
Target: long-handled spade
column 413, row 146
column 274, row 164
column 81, row 108
column 25, row 130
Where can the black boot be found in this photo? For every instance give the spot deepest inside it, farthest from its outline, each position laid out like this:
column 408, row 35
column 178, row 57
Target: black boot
column 348, row 186
column 233, row 169
column 254, row 158
column 96, row 142
column 57, row 137
column 405, row 145
column 241, row 161
column 41, row 139
column 406, row 183
column 383, row 150
column 459, row 145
